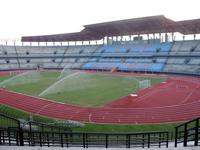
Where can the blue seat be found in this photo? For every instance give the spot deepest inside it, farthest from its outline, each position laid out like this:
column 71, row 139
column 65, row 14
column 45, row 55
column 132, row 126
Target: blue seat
column 157, row 67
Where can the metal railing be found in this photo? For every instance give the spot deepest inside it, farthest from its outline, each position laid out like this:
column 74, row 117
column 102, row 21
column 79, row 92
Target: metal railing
column 7, row 121
column 188, row 132
column 12, row 132
column 17, row 137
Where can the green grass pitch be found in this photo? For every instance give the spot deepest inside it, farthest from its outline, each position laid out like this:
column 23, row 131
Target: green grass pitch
column 82, row 89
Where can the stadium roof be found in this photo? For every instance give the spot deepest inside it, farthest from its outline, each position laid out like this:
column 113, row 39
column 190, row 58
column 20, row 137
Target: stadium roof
column 84, row 35
column 189, row 26
column 144, row 25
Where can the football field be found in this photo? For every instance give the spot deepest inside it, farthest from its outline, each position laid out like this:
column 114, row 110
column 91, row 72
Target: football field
column 77, row 88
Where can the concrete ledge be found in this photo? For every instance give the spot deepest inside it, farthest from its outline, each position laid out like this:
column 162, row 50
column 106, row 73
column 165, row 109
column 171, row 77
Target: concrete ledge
column 92, row 148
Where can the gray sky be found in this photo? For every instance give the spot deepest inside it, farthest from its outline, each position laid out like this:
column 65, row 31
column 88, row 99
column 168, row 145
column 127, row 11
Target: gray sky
column 39, row 17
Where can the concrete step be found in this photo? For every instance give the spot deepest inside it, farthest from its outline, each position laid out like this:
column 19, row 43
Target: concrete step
column 93, row 148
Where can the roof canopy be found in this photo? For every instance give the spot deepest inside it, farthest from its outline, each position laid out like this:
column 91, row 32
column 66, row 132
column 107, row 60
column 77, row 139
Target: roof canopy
column 145, row 25
column 84, row 35
column 189, row 26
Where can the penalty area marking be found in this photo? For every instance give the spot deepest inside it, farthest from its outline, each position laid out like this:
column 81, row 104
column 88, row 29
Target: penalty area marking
column 133, row 95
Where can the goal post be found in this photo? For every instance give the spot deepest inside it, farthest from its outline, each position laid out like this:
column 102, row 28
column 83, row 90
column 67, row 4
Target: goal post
column 144, row 84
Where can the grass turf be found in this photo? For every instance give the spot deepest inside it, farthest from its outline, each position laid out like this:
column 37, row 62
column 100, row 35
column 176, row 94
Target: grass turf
column 89, row 127
column 83, row 89
column 34, row 88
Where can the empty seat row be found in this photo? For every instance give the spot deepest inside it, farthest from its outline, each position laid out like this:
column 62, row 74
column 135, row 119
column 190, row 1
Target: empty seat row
column 125, row 66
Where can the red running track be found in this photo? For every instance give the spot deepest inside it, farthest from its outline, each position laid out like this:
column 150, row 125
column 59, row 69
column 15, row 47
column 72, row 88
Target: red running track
column 176, row 100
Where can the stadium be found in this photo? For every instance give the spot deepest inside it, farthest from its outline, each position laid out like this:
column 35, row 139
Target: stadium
column 118, row 84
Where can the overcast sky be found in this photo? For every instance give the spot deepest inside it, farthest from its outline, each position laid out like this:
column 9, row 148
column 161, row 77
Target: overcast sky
column 40, row 17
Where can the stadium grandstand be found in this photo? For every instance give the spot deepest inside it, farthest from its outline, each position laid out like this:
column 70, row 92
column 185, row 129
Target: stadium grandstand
column 160, row 53
column 165, row 70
